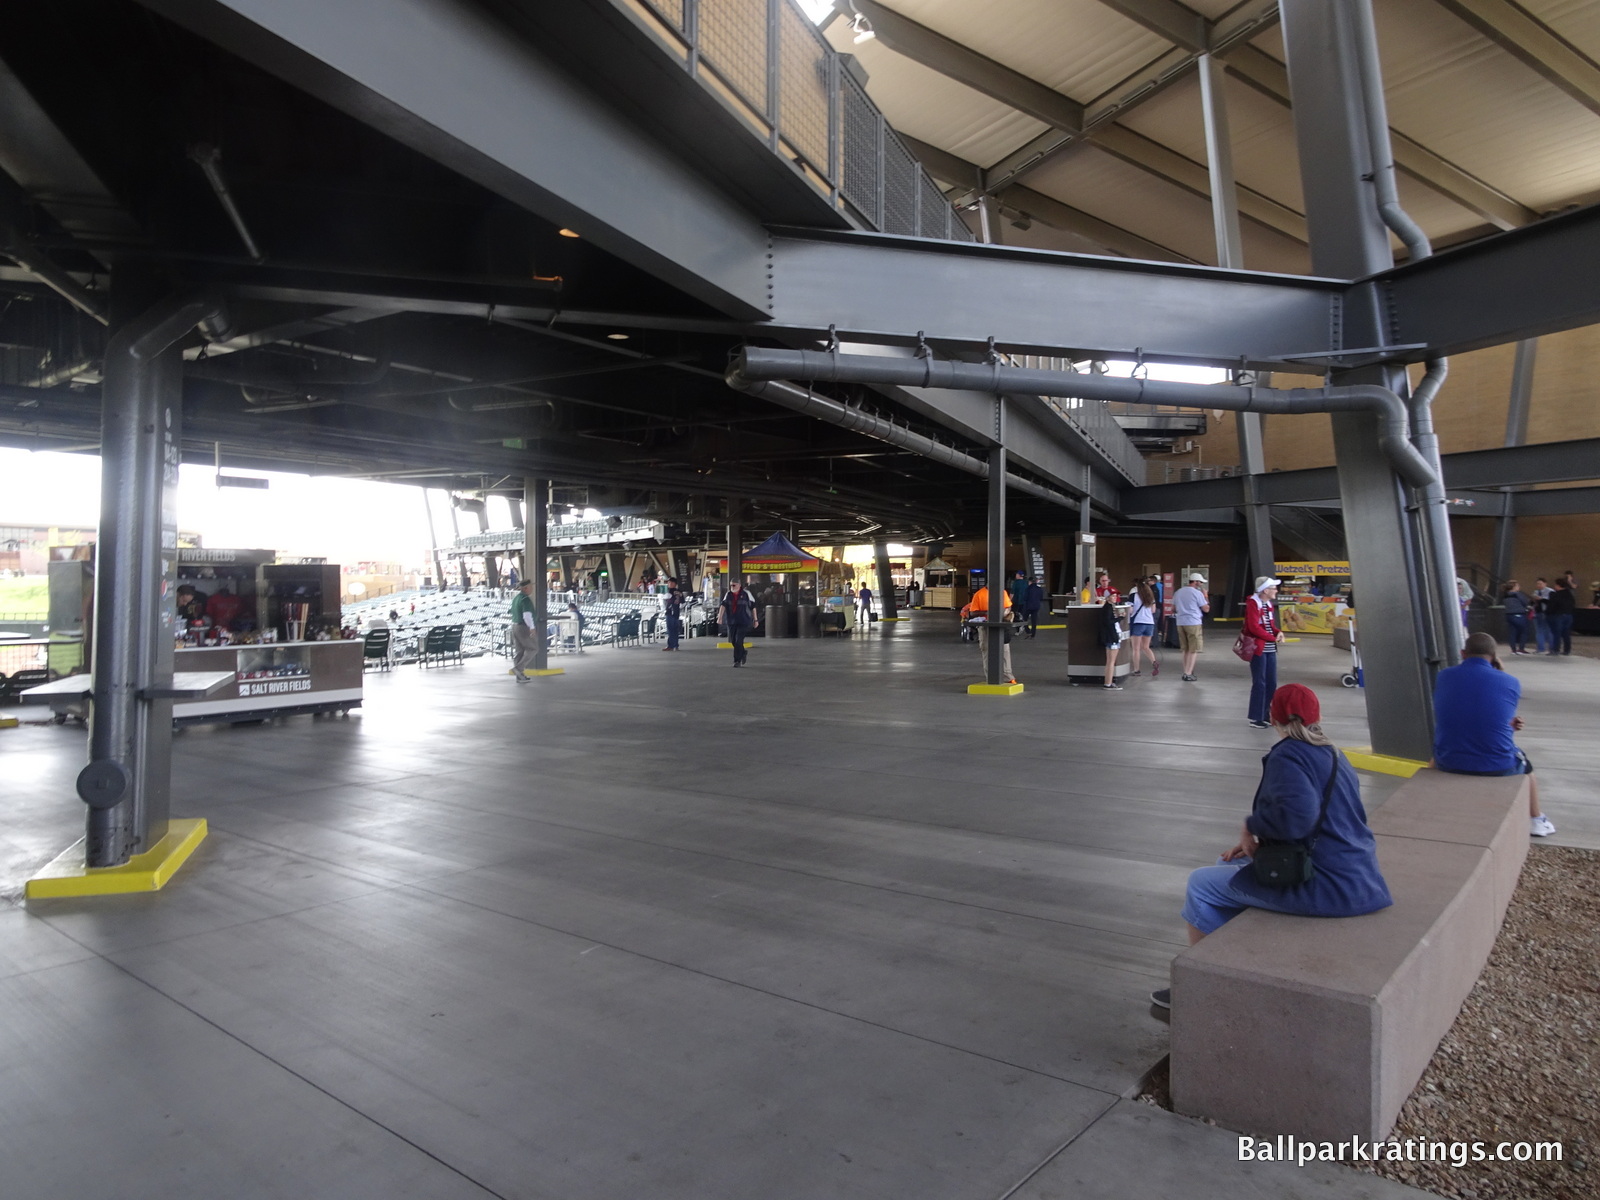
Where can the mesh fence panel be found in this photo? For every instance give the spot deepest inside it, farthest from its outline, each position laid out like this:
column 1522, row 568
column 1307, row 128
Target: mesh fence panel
column 936, row 213
column 901, row 175
column 803, row 87
column 670, row 11
column 859, row 155
column 733, row 39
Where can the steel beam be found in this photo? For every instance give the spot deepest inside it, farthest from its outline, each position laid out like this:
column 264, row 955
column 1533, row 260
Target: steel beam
column 995, row 568
column 1556, row 502
column 449, row 81
column 880, row 288
column 1525, row 37
column 1518, row 407
column 1507, row 288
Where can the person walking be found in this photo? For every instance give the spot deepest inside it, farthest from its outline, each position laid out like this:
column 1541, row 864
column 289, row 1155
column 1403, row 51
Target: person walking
column 1475, row 714
column 1559, row 611
column 739, row 616
column 1260, row 623
column 674, row 608
column 1189, row 604
column 1017, row 589
column 1541, row 619
column 523, row 643
column 1519, row 606
column 1142, row 624
column 864, row 606
column 1032, row 602
column 1111, row 639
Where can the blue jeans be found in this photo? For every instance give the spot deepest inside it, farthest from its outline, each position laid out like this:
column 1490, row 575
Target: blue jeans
column 1541, row 633
column 1517, row 631
column 1208, row 902
column 674, row 631
column 1263, row 683
column 1560, row 633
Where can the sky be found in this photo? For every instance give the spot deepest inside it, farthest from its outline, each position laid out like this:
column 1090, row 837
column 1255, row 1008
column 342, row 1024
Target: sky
column 343, row 520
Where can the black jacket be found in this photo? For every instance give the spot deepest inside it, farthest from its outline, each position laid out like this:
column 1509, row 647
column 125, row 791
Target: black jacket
column 1562, row 603
column 1110, row 631
column 740, row 611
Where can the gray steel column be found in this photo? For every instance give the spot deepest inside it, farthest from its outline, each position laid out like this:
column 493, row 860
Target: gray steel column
column 433, row 541
column 1505, row 526
column 127, row 782
column 996, row 568
column 1230, row 253
column 735, row 541
column 536, row 559
column 1350, row 241
column 886, row 603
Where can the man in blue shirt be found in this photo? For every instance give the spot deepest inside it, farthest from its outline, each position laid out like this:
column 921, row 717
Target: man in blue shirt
column 1475, row 714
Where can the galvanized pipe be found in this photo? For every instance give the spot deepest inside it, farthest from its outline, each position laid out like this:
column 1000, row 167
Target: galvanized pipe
column 1436, row 514
column 810, row 404
column 209, row 160
column 753, row 364
column 1377, row 114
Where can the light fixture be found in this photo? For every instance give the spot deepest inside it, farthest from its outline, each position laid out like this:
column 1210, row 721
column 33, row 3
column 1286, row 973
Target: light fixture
column 617, row 337
column 863, row 29
column 572, row 233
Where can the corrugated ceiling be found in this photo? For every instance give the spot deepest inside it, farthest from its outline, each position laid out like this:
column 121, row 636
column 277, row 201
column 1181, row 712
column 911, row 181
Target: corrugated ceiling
column 1450, row 88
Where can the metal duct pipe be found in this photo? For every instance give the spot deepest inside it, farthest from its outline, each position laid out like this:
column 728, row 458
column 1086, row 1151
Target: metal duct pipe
column 755, row 363
column 209, row 160
column 1377, row 113
column 1435, row 512
column 62, row 374
column 823, row 409
column 43, row 268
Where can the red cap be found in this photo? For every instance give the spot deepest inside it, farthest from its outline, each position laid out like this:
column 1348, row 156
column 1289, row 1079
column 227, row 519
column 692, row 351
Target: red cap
column 1295, row 701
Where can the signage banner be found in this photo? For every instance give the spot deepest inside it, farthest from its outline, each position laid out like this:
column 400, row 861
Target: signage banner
column 1289, row 570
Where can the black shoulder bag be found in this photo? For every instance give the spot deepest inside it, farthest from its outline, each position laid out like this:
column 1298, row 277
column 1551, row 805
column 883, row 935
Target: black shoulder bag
column 1282, row 864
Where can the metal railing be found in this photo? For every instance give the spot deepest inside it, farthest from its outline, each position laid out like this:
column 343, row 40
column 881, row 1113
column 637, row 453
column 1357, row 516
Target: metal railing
column 601, row 529
column 767, row 62
column 1092, row 420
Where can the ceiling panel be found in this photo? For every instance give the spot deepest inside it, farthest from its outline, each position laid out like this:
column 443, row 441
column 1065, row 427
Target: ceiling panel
column 1578, row 21
column 1079, row 47
column 1466, row 99
column 927, row 105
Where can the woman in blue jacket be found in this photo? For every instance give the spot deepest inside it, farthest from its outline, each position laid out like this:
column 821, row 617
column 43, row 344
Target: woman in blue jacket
column 1302, row 768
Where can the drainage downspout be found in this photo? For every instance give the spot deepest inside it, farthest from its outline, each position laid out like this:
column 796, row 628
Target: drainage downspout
column 1388, row 196
column 823, row 409
column 755, row 363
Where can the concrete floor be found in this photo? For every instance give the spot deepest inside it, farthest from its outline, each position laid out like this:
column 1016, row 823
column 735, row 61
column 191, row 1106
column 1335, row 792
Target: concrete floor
column 823, row 927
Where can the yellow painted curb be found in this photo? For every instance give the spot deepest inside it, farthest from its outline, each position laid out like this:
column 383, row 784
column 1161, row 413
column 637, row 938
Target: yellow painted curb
column 1049, row 626
column 729, row 645
column 994, row 689
column 147, row 872
column 530, row 672
column 886, row 620
column 9, row 722
column 1363, row 759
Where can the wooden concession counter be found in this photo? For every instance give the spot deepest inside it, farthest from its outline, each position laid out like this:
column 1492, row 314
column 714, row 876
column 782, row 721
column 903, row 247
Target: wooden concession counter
column 1086, row 658
column 273, row 679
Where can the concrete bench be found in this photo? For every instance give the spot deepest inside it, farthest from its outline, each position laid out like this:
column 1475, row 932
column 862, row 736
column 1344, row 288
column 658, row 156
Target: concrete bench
column 1321, row 1028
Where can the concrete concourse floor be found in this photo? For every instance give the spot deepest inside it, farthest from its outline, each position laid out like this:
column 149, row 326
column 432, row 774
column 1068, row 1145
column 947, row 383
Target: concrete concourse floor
column 822, row 927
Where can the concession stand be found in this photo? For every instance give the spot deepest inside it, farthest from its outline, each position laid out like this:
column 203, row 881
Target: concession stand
column 1313, row 596
column 943, row 586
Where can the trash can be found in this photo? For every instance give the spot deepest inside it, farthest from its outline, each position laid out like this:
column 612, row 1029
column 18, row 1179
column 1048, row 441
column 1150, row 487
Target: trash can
column 806, row 624
column 776, row 621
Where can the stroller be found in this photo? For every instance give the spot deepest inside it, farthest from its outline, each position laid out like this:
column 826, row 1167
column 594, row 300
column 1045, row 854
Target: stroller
column 1354, row 676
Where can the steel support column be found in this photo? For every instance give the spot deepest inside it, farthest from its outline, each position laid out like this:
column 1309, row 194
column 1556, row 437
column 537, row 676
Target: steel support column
column 1350, row 241
column 1505, row 527
column 127, row 782
column 536, row 560
column 1230, row 253
column 735, row 541
column 886, row 602
column 994, row 574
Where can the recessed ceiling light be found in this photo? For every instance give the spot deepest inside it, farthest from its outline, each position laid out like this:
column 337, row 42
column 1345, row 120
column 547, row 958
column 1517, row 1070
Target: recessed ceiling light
column 568, row 232
column 617, row 337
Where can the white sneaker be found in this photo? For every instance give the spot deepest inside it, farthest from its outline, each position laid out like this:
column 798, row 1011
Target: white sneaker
column 1540, row 826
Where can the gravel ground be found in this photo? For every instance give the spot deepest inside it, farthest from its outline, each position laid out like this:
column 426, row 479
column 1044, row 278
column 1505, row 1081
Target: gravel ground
column 1522, row 1062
